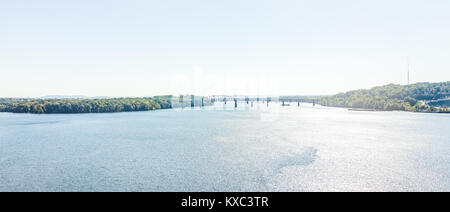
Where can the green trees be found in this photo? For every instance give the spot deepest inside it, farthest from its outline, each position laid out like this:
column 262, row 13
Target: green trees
column 2, row 108
column 410, row 100
column 86, row 105
column 392, row 97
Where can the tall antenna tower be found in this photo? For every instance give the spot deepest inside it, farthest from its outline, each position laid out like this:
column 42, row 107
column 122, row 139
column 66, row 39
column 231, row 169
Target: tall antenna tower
column 408, row 70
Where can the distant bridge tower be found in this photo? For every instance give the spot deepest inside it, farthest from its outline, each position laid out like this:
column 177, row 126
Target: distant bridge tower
column 408, row 70
column 235, row 102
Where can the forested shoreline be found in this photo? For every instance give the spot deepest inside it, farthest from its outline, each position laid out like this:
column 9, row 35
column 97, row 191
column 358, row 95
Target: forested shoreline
column 104, row 105
column 419, row 97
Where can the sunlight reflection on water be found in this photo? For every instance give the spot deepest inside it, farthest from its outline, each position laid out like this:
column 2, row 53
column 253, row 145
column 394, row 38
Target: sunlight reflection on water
column 221, row 148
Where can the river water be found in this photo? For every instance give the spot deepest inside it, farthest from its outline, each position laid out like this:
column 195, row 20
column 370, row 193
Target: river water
column 220, row 148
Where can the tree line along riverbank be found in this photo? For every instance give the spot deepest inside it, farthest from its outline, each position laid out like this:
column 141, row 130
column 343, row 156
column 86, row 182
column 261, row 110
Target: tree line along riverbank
column 418, row 97
column 104, row 105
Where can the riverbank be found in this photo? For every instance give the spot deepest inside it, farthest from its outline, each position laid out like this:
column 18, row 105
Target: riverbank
column 104, row 105
column 413, row 98
column 445, row 110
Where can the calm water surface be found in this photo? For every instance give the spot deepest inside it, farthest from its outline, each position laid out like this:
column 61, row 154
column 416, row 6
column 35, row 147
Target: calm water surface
column 219, row 148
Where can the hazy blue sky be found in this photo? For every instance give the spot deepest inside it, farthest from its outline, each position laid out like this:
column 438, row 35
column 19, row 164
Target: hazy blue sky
column 144, row 48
